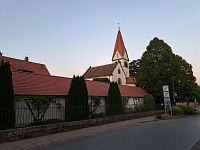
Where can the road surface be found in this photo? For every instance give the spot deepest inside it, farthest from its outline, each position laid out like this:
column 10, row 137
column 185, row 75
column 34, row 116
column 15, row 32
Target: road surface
column 178, row 134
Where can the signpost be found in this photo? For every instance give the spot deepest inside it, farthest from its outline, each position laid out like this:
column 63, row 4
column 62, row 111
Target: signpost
column 167, row 102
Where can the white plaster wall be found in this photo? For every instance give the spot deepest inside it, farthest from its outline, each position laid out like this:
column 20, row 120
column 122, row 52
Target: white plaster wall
column 109, row 77
column 130, row 84
column 24, row 117
column 100, row 107
column 126, row 69
column 134, row 101
column 117, row 56
column 116, row 75
column 125, row 55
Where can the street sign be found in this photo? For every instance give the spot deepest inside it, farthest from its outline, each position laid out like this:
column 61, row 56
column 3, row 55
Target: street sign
column 166, row 95
column 165, row 88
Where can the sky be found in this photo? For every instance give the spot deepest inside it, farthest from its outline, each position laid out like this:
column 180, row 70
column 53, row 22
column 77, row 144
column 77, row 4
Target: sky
column 71, row 35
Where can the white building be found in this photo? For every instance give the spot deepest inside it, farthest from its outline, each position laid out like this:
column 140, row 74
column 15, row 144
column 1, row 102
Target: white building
column 118, row 70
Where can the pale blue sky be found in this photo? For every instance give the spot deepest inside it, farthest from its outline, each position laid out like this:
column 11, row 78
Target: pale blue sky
column 69, row 36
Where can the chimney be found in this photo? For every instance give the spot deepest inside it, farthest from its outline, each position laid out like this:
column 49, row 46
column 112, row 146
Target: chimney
column 26, row 58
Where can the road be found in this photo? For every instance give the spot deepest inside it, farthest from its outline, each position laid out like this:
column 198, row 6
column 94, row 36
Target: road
column 178, row 134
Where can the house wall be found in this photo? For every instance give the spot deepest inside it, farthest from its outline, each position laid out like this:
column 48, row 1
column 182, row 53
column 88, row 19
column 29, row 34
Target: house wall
column 134, row 101
column 99, row 108
column 24, row 116
column 57, row 110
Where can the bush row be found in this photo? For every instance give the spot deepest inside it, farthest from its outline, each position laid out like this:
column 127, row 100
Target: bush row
column 183, row 110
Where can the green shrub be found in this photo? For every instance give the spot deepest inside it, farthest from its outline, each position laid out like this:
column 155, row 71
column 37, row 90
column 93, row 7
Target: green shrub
column 7, row 110
column 149, row 102
column 187, row 110
column 114, row 101
column 139, row 108
column 177, row 111
column 76, row 103
column 128, row 110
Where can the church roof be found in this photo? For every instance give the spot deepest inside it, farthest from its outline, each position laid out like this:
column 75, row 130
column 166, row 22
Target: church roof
column 26, row 66
column 119, row 45
column 129, row 80
column 29, row 84
column 99, row 71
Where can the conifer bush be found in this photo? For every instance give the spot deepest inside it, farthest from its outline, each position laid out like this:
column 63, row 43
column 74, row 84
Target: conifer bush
column 114, row 101
column 7, row 110
column 76, row 104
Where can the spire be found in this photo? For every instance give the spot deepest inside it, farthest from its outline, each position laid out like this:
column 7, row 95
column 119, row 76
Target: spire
column 119, row 45
column 118, row 26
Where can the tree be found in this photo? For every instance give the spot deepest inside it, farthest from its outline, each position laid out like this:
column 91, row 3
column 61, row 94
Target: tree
column 134, row 68
column 7, row 110
column 149, row 102
column 77, row 100
column 160, row 66
column 196, row 92
column 184, row 80
column 114, row 101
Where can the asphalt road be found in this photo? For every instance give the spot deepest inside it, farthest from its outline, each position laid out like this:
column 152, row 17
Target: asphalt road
column 179, row 134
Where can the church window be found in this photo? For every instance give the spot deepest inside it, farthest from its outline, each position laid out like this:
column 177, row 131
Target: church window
column 125, row 64
column 119, row 81
column 119, row 71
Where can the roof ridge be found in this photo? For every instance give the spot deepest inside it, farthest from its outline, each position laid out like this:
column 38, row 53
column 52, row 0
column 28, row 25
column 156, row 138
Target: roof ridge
column 104, row 65
column 41, row 74
column 24, row 60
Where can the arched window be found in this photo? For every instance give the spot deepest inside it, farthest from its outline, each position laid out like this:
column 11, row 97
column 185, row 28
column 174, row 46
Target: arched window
column 119, row 71
column 125, row 64
column 119, row 81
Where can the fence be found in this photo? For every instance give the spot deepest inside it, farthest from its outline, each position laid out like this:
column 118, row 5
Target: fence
column 25, row 116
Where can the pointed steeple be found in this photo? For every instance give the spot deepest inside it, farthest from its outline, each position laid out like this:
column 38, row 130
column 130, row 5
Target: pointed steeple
column 119, row 47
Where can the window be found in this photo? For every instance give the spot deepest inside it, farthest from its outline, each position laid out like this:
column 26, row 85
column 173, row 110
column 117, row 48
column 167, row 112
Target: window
column 119, row 81
column 125, row 64
column 119, row 71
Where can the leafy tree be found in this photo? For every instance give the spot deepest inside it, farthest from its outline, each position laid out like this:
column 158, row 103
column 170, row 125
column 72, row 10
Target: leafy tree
column 134, row 68
column 149, row 102
column 77, row 100
column 196, row 92
column 102, row 80
column 7, row 110
column 160, row 66
column 184, row 80
column 114, row 101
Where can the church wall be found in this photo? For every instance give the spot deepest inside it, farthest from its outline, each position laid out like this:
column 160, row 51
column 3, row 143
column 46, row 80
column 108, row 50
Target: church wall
column 117, row 56
column 109, row 77
column 116, row 75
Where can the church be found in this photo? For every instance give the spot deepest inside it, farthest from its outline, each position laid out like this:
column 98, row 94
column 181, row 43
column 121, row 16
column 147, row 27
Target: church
column 118, row 70
column 34, row 79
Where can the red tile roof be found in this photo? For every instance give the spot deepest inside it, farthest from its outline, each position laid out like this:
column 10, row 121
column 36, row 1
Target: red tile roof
column 26, row 66
column 99, row 71
column 119, row 45
column 32, row 84
column 130, row 80
column 132, row 91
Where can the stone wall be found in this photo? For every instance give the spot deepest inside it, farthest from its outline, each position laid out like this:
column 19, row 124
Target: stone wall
column 34, row 131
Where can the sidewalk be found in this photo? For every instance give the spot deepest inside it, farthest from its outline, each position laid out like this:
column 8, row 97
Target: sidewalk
column 49, row 141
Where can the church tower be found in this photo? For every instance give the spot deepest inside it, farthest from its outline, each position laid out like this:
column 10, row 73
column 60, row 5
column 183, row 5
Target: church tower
column 120, row 54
